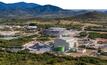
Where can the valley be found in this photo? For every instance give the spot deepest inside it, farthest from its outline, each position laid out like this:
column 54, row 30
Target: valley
column 33, row 34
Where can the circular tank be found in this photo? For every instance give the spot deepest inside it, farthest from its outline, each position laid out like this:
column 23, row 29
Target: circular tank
column 61, row 49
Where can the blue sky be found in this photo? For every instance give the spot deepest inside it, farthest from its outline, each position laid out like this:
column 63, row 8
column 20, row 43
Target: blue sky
column 67, row 4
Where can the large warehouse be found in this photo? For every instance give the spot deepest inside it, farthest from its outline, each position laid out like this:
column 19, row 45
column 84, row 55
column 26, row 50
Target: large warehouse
column 53, row 31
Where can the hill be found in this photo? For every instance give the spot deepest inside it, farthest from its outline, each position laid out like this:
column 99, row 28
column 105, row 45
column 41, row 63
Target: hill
column 32, row 10
column 94, row 15
column 23, row 10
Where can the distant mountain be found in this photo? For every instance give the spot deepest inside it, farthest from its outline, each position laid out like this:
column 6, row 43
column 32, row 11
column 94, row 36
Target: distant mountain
column 19, row 5
column 93, row 15
column 27, row 10
column 32, row 10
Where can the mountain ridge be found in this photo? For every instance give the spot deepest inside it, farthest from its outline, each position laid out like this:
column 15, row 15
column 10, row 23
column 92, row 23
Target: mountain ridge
column 33, row 10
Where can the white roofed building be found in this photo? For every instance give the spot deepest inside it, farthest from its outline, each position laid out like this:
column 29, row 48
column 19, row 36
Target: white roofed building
column 31, row 27
column 65, row 42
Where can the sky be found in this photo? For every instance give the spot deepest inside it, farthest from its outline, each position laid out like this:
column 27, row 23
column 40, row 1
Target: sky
column 67, row 4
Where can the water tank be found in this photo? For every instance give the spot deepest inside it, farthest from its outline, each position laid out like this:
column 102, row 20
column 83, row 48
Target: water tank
column 61, row 49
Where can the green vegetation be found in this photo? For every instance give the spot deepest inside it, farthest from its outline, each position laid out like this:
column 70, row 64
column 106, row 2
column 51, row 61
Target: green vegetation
column 43, row 38
column 97, row 28
column 16, row 42
column 94, row 35
column 68, row 26
column 32, row 24
column 83, row 34
column 25, row 58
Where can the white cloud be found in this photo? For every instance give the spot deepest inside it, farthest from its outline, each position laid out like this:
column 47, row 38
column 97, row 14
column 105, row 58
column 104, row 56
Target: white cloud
column 69, row 4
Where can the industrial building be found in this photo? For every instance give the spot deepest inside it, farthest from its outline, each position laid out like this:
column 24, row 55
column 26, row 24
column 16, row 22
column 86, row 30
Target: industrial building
column 64, row 43
column 53, row 31
column 30, row 28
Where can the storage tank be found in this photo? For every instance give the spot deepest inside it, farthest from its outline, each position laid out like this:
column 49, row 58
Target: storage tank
column 60, row 49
